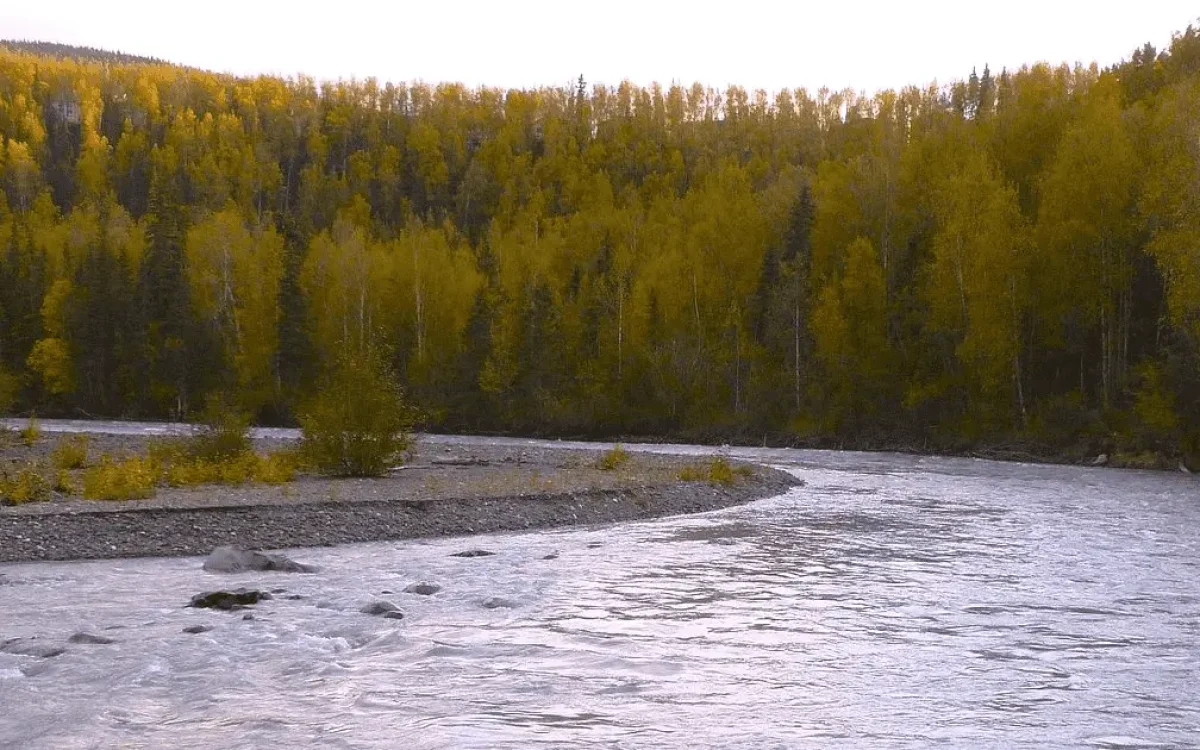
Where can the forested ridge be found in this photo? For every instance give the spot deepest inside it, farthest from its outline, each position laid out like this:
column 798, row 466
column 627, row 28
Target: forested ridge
column 1009, row 260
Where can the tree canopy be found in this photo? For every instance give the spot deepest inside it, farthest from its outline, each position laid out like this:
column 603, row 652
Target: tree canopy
column 1010, row 257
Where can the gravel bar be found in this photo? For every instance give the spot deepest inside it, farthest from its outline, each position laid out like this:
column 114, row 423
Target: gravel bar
column 451, row 492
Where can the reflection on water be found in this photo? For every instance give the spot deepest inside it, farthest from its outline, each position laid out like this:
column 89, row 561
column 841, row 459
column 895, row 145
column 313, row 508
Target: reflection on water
column 892, row 602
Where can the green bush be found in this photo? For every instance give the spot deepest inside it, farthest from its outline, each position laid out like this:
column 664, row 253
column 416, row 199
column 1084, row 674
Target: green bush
column 613, row 459
column 358, row 424
column 71, row 452
column 129, row 479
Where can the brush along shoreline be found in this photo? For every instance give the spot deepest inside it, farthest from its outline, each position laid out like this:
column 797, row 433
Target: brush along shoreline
column 442, row 491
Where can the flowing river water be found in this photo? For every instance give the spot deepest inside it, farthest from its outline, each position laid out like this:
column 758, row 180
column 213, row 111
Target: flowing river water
column 893, row 601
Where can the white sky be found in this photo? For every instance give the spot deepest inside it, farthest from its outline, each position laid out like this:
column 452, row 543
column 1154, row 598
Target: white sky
column 864, row 44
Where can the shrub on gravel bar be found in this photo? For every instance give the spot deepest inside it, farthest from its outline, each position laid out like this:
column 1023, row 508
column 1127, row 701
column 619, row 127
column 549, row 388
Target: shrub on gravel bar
column 359, row 424
column 26, row 486
column 718, row 470
column 613, row 459
column 71, row 452
column 129, row 479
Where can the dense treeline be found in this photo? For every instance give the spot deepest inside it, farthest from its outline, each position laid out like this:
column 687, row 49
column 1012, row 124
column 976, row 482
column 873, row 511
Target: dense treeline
column 1012, row 257
column 73, row 52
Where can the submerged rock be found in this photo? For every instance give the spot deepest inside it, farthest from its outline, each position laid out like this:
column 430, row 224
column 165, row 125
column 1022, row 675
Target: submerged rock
column 194, row 629
column 498, row 602
column 382, row 609
column 424, row 588
column 473, row 553
column 88, row 638
column 31, row 647
column 551, row 556
column 229, row 600
column 237, row 560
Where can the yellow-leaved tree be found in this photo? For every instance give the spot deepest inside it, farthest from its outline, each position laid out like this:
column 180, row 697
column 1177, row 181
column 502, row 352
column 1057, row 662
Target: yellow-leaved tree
column 234, row 268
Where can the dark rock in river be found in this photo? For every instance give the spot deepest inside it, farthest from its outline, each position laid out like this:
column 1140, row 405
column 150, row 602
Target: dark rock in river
column 194, row 629
column 498, row 602
column 551, row 556
column 423, row 588
column 31, row 647
column 473, row 553
column 382, row 609
column 88, row 638
column 236, row 560
column 229, row 600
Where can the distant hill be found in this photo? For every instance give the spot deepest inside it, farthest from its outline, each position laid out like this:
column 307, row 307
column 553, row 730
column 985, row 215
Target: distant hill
column 82, row 54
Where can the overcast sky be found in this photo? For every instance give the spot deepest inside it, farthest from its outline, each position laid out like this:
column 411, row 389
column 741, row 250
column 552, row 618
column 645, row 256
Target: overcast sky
column 754, row 43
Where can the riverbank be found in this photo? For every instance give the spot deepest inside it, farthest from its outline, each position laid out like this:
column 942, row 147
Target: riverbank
column 445, row 490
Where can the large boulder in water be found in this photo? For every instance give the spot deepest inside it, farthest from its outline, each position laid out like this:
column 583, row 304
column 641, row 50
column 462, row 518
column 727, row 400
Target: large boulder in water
column 237, row 560
column 229, row 600
column 424, row 588
column 382, row 609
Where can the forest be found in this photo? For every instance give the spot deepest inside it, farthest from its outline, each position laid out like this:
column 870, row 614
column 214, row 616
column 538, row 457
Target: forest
column 1008, row 262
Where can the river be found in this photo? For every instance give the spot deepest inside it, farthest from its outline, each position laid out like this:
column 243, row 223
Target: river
column 892, row 602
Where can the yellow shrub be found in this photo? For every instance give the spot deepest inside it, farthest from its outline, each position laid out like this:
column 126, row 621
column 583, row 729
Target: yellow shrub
column 130, row 479
column 276, row 468
column 166, row 451
column 31, row 432
column 28, row 486
column 720, row 472
column 63, row 483
column 71, row 452
column 717, row 471
column 190, row 473
column 613, row 459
